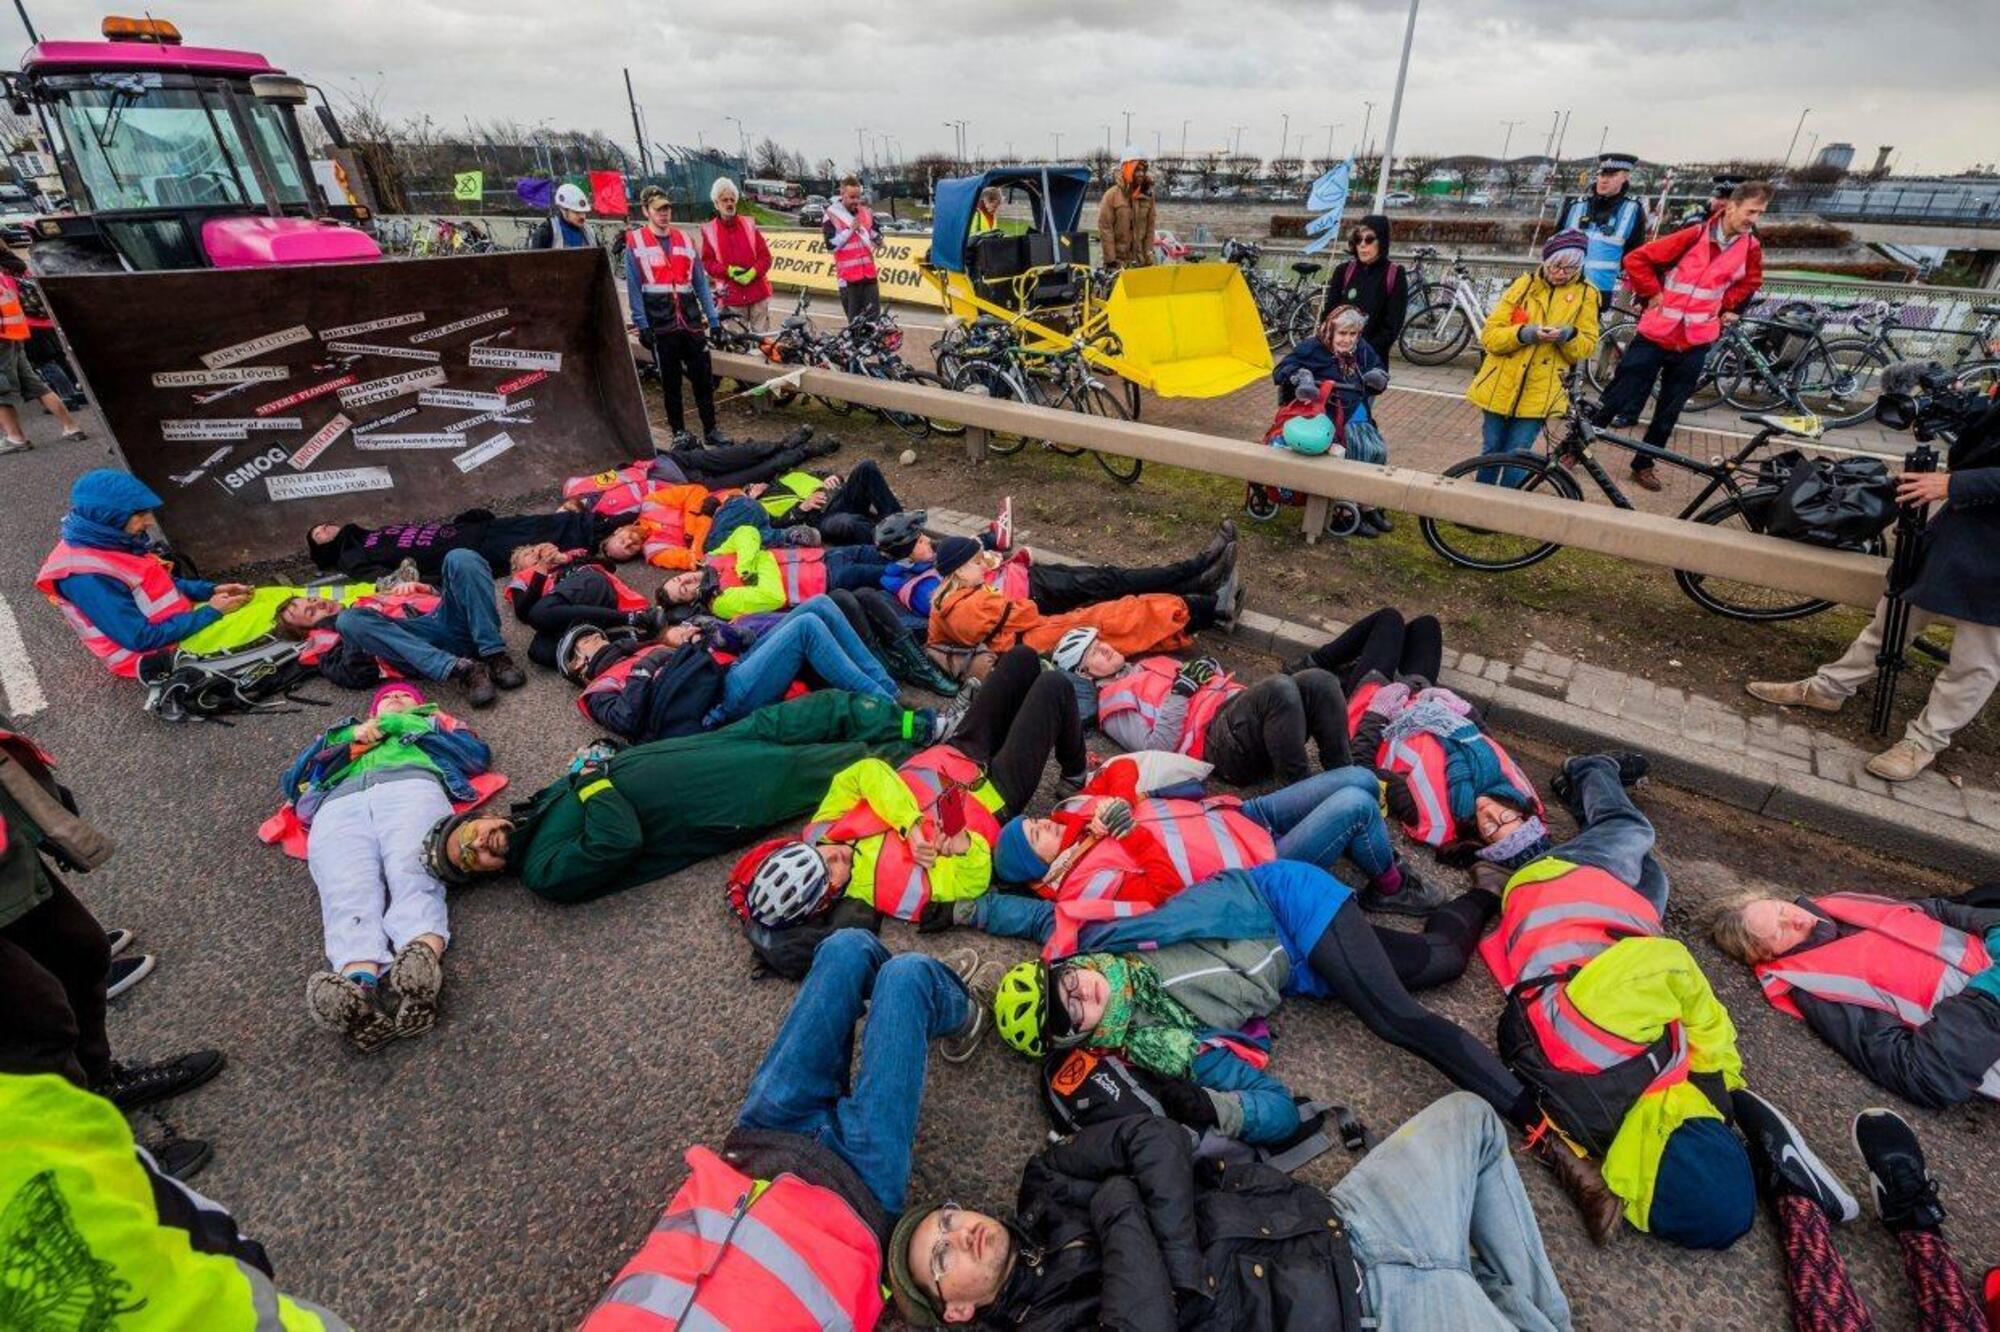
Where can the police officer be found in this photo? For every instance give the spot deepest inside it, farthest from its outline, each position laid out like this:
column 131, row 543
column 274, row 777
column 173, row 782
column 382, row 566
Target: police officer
column 1612, row 217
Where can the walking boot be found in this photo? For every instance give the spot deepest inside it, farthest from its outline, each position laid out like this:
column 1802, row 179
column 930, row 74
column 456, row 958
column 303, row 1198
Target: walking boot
column 1582, row 1183
column 477, row 682
column 920, row 670
column 417, row 975
column 504, row 672
column 1804, row 693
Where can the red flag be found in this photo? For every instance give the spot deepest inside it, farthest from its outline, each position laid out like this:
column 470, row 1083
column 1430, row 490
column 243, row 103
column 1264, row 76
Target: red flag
column 607, row 193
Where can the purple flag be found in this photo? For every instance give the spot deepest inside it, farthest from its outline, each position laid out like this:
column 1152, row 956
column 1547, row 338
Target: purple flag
column 535, row 191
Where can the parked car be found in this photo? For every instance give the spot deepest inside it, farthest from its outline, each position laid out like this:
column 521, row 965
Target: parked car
column 1398, row 198
column 812, row 215
column 815, row 201
column 1479, row 199
column 17, row 227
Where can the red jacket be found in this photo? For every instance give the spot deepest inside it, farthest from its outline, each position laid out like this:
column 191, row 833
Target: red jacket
column 1645, row 267
column 738, row 244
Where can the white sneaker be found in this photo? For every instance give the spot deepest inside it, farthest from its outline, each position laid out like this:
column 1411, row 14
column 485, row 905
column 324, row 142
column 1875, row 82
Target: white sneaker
column 1804, row 693
column 1901, row 761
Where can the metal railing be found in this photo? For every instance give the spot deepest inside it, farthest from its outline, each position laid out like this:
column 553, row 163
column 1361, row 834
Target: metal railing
column 1947, row 205
column 1645, row 538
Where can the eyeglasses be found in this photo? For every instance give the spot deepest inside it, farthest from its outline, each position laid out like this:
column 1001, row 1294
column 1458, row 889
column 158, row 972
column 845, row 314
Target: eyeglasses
column 941, row 1251
column 1071, row 987
column 1365, row 238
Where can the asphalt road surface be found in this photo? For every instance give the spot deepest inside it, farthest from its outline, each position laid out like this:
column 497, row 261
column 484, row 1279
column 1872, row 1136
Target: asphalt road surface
column 496, row 1172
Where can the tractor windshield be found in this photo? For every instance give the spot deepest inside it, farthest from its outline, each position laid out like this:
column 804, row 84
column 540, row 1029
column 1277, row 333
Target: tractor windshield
column 140, row 145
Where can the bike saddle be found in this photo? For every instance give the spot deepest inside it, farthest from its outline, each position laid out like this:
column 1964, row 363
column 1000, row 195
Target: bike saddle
column 1305, row 270
column 797, row 321
column 1802, row 427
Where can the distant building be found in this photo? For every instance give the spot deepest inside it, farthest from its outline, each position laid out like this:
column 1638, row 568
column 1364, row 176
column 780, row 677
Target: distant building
column 1839, row 156
column 1881, row 167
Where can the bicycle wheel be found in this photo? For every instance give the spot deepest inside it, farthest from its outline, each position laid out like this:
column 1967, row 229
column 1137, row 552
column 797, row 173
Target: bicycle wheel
column 911, row 375
column 1435, row 334
column 1745, row 386
column 1499, row 552
column 1977, row 376
column 1738, row 600
column 1304, row 317
column 1000, row 387
column 1839, row 381
column 1103, row 400
column 1603, row 362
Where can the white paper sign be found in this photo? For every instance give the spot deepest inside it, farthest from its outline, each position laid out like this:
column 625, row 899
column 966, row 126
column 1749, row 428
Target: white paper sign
column 242, row 374
column 458, row 326
column 322, row 440
column 391, row 386
column 270, row 342
column 371, row 349
column 515, row 358
column 460, row 398
column 460, row 427
column 389, row 439
column 483, row 453
column 317, row 484
column 237, row 478
column 390, row 418
column 203, row 430
column 371, row 326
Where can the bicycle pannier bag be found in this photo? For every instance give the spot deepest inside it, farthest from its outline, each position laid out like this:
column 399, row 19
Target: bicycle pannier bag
column 1844, row 503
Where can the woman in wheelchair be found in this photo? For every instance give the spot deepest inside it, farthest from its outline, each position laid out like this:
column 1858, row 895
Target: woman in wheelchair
column 1339, row 373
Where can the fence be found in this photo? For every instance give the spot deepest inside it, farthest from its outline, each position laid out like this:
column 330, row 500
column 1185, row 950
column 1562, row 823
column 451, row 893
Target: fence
column 1787, row 566
column 1948, row 204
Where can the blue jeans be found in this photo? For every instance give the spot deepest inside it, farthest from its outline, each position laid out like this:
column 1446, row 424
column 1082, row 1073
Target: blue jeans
column 803, row 640
column 802, row 1085
column 1328, row 815
column 1506, row 434
column 466, row 623
column 1443, row 1231
column 739, row 511
column 850, row 568
column 1614, row 836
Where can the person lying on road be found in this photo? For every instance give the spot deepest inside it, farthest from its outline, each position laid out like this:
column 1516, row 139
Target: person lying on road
column 363, row 552
column 728, row 467
column 553, row 591
column 740, row 576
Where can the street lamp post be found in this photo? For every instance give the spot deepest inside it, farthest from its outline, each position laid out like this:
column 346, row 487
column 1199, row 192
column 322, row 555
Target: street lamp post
column 1128, row 127
column 1795, row 138
column 1107, row 140
column 1184, row 127
column 1366, row 120
column 1508, row 142
column 1329, row 137
column 1236, row 146
column 1285, row 136
column 1396, row 106
column 1058, row 138
column 861, row 147
column 742, row 142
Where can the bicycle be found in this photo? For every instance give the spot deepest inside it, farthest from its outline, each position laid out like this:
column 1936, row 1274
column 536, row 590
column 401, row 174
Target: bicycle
column 1755, row 364
column 988, row 354
column 1435, row 332
column 869, row 346
column 1288, row 310
column 1744, row 506
column 1851, row 376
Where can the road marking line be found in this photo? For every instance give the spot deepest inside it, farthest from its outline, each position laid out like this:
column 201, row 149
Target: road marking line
column 17, row 670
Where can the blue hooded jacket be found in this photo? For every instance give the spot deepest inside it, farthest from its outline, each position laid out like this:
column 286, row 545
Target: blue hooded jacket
column 101, row 502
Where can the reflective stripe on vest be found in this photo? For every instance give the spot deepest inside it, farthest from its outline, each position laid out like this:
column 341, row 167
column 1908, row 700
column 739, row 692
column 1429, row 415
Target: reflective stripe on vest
column 1145, row 689
column 902, row 887
column 13, row 319
column 1555, row 925
column 1691, row 294
column 1605, row 256
column 1575, row 1044
column 598, row 482
column 853, row 258
column 148, row 577
column 612, row 679
column 1899, row 960
column 1427, row 788
column 663, row 269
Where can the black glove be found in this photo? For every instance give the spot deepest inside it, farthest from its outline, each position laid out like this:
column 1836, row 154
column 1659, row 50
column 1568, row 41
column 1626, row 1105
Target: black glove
column 1115, row 814
column 1304, row 387
column 935, row 918
column 1375, row 380
column 1196, row 674
column 646, row 338
column 1184, row 1101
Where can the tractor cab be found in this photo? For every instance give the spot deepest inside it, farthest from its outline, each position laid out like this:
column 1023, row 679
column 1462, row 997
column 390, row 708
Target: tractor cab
column 177, row 157
column 1181, row 330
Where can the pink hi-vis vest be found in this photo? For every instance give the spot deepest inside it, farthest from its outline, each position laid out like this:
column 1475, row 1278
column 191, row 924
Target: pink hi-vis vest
column 627, row 599
column 1420, row 761
column 726, row 1254
column 1144, row 689
column 854, row 256
column 1899, row 960
column 632, row 483
column 1691, row 295
column 902, row 887
column 801, row 570
column 148, row 577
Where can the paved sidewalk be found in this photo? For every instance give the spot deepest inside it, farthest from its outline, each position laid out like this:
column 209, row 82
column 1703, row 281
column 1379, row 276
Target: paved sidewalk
column 1734, row 750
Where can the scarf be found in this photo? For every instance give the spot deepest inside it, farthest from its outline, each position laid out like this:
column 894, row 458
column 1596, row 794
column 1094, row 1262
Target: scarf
column 1529, row 841
column 1152, row 1027
column 95, row 529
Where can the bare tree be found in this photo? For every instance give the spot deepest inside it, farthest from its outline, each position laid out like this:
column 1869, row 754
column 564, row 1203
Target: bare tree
column 1207, row 169
column 1239, row 169
column 1102, row 164
column 1414, row 169
column 767, row 159
column 1285, row 171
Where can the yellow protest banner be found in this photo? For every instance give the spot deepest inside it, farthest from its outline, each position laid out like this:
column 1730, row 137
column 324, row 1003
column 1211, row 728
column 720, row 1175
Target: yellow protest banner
column 801, row 259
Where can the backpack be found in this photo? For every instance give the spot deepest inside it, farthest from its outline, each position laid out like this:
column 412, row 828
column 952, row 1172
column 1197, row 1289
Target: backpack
column 1389, row 279
column 1588, row 1107
column 189, row 686
column 788, row 950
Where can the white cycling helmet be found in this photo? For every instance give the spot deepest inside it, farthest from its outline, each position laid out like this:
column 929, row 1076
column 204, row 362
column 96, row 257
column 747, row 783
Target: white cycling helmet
column 788, row 886
column 570, row 197
column 1070, row 648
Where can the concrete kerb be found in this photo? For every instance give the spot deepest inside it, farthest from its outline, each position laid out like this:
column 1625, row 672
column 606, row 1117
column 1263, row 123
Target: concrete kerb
column 1963, row 846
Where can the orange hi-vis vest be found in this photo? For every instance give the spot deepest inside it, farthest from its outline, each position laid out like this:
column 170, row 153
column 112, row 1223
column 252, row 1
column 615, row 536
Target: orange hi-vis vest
column 149, row 578
column 1691, row 294
column 620, row 490
column 1421, row 760
column 902, row 887
column 1898, row 960
column 666, row 270
column 802, row 570
column 1357, row 705
column 13, row 319
column 1548, row 929
column 732, row 1252
column 1144, row 689
column 854, row 257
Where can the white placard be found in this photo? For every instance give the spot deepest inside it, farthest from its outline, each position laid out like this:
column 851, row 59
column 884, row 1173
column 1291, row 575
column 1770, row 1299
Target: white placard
column 263, row 422
column 372, row 326
column 483, row 453
column 322, row 440
column 389, row 439
column 238, row 477
column 515, row 358
column 203, row 430
column 391, row 386
column 499, row 413
column 371, row 349
column 242, row 374
column 389, row 418
column 270, row 342
column 458, row 326
column 463, row 399
column 313, row 485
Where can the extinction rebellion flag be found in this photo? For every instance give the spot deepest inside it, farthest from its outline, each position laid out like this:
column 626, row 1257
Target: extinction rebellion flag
column 468, row 186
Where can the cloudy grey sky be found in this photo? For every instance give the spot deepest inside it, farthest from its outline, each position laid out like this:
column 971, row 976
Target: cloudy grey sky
column 1673, row 79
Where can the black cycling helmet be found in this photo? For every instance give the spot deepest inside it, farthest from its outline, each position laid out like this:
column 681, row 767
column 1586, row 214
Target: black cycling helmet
column 896, row 536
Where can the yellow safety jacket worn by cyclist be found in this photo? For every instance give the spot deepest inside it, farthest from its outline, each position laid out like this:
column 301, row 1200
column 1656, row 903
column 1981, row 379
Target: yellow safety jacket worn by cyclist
column 88, row 1242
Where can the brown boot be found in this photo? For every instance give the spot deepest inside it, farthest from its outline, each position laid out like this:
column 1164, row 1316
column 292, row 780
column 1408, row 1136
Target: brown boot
column 1583, row 1184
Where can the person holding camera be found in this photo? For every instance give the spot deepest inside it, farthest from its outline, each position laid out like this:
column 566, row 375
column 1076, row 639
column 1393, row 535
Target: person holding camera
column 1956, row 583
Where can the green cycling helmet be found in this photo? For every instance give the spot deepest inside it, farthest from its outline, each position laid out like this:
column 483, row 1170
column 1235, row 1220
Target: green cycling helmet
column 1311, row 435
column 1021, row 1005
